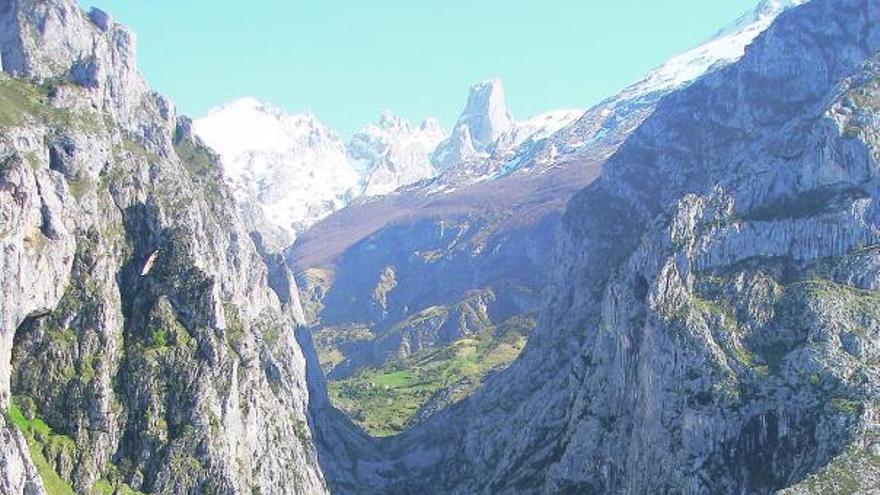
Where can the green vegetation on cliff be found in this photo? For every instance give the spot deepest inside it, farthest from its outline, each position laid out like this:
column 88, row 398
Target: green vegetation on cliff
column 21, row 101
column 41, row 441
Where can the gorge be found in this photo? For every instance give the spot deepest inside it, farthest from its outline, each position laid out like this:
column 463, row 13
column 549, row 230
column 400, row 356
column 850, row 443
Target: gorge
column 693, row 263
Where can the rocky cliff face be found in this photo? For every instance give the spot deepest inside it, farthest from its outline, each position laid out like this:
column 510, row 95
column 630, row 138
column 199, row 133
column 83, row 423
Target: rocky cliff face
column 710, row 324
column 146, row 339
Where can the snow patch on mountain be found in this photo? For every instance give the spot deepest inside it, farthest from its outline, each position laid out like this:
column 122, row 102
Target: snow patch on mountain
column 542, row 126
column 726, row 47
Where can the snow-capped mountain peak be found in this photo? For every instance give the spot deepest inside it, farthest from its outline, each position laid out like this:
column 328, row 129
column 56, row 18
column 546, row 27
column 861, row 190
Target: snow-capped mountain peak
column 247, row 125
column 291, row 165
column 296, row 170
column 392, row 126
column 769, row 9
column 392, row 153
column 388, row 120
column 602, row 128
column 432, row 126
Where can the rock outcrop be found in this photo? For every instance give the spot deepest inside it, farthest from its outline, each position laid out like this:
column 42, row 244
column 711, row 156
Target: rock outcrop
column 484, row 120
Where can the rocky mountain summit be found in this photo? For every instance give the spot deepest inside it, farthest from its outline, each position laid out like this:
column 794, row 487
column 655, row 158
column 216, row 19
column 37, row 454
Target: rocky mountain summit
column 484, row 120
column 146, row 340
column 486, row 137
column 710, row 323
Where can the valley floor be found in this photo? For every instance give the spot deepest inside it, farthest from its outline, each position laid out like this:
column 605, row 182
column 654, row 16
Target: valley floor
column 393, row 397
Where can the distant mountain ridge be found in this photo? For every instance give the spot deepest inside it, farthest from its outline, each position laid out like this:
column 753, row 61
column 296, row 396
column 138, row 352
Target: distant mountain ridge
column 543, row 159
column 298, row 171
column 392, row 153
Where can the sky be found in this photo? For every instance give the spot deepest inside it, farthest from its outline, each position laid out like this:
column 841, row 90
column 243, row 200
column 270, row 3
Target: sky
column 346, row 61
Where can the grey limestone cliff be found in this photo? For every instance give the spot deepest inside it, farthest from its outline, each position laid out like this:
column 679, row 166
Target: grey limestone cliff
column 146, row 339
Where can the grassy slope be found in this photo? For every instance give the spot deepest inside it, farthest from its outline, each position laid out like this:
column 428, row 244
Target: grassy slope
column 42, row 441
column 385, row 400
column 40, row 437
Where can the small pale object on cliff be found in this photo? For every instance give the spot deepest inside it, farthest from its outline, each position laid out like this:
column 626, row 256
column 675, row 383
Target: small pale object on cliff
column 149, row 264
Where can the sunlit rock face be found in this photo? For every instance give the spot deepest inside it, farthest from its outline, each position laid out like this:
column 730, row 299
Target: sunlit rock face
column 146, row 338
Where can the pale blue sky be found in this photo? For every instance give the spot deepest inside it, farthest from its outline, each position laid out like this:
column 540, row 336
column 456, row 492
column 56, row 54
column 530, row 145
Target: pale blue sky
column 347, row 60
